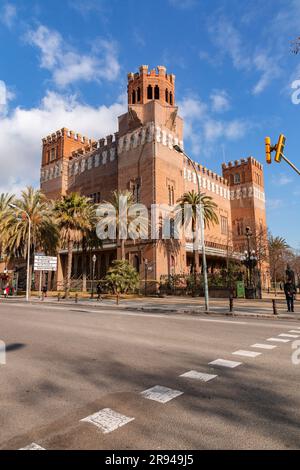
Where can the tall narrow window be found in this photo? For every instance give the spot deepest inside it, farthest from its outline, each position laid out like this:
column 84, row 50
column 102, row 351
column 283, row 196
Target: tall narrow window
column 150, row 92
column 171, row 98
column 156, row 92
column 133, row 97
column 167, row 96
column 138, row 94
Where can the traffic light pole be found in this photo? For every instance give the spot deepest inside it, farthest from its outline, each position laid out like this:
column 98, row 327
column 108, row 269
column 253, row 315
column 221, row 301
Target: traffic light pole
column 291, row 164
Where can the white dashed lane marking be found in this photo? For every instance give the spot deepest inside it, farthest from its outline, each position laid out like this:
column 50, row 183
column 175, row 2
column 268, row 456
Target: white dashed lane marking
column 246, row 353
column 32, row 446
column 107, row 420
column 225, row 363
column 193, row 374
column 161, row 394
column 287, row 335
column 279, row 340
column 263, row 346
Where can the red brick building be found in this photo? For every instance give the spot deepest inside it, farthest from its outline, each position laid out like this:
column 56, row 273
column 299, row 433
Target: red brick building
column 141, row 157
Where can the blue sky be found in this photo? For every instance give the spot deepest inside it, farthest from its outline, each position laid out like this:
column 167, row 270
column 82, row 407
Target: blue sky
column 65, row 63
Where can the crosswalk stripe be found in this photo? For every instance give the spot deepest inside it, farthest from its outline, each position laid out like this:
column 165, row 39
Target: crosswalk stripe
column 241, row 352
column 263, row 346
column 287, row 335
column 294, row 331
column 225, row 363
column 32, row 446
column 193, row 374
column 161, row 394
column 107, row 420
column 279, row 340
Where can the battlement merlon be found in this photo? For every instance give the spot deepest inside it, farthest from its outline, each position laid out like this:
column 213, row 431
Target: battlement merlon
column 159, row 71
column 64, row 132
column 238, row 163
column 108, row 142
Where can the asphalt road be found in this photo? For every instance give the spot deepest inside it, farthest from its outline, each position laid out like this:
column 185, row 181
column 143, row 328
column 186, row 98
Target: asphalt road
column 66, row 363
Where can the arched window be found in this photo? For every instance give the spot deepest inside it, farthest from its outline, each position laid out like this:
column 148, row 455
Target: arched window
column 138, row 94
column 133, row 97
column 171, row 98
column 167, row 96
column 156, row 92
column 150, row 92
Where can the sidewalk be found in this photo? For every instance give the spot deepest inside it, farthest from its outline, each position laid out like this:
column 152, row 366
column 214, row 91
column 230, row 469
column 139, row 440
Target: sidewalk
column 176, row 305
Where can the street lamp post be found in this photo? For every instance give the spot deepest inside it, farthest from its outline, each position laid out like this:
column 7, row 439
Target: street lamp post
column 146, row 274
column 94, row 259
column 249, row 259
column 204, row 263
column 13, row 206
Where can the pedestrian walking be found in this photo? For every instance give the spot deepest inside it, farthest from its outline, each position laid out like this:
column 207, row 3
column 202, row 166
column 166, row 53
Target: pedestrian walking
column 44, row 291
column 99, row 291
column 289, row 291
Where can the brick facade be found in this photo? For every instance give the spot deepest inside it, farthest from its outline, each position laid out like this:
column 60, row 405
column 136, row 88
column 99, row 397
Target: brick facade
column 140, row 157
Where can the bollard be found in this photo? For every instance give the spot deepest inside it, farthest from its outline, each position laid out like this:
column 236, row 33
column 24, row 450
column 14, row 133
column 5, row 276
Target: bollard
column 58, row 297
column 274, row 307
column 230, row 304
column 76, row 298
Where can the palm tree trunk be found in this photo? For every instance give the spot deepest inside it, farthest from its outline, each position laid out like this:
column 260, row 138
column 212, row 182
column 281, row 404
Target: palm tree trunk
column 122, row 249
column 69, row 268
column 84, row 264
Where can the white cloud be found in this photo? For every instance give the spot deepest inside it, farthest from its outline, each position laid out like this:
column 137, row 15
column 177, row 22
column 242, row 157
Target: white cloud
column 192, row 108
column 229, row 41
column 273, row 204
column 22, row 130
column 69, row 66
column 8, row 15
column 283, row 179
column 86, row 7
column 5, row 96
column 202, row 130
column 269, row 69
column 220, row 101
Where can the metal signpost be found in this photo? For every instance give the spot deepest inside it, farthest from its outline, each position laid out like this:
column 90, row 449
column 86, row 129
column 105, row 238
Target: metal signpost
column 44, row 263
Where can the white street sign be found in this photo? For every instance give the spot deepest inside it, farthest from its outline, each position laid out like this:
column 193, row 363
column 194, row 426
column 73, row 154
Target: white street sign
column 45, row 263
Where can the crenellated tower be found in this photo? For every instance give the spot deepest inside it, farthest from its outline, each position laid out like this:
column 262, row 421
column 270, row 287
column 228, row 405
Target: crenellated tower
column 145, row 86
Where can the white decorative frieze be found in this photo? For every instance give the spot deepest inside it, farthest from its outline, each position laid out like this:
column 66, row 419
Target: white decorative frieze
column 112, row 154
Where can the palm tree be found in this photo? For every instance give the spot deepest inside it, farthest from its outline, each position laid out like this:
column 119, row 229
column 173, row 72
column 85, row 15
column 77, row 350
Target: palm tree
column 5, row 200
column 210, row 216
column 15, row 224
column 75, row 216
column 117, row 218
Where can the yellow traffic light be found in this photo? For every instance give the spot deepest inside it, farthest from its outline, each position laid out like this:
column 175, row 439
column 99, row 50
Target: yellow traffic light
column 268, row 150
column 280, row 148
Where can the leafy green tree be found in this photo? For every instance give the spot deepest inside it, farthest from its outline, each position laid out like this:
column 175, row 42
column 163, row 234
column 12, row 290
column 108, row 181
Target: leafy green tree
column 210, row 216
column 75, row 217
column 121, row 278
